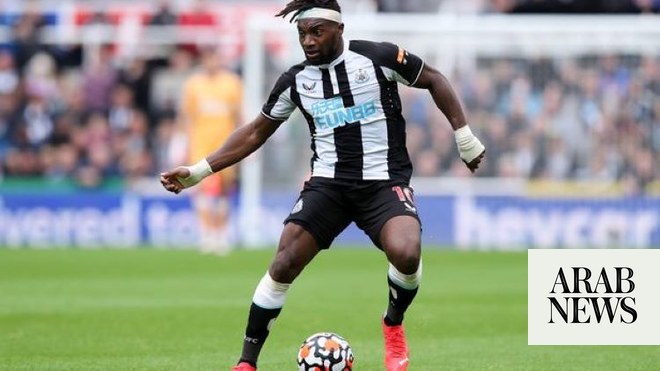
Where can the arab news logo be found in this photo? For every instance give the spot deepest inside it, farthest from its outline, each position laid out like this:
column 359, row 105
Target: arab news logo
column 579, row 296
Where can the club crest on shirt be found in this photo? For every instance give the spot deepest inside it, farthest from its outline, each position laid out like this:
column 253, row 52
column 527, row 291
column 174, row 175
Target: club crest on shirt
column 309, row 87
column 361, row 76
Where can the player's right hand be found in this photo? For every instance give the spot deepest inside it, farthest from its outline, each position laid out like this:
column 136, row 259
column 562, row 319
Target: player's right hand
column 171, row 180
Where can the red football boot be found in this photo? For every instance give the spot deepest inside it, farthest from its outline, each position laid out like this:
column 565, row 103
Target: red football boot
column 396, row 348
column 243, row 366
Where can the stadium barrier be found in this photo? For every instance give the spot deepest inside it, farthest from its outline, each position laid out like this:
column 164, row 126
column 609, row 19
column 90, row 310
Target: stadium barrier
column 507, row 222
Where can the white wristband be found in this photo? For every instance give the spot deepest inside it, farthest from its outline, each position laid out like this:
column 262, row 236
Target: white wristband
column 469, row 147
column 198, row 171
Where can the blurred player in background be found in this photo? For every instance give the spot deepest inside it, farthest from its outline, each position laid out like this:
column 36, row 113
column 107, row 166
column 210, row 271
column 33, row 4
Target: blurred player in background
column 348, row 94
column 210, row 110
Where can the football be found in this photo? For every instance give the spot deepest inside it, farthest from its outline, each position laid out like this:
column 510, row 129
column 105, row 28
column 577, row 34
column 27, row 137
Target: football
column 325, row 351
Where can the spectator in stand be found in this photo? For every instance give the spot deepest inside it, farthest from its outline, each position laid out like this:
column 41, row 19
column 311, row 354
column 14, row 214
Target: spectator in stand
column 167, row 82
column 8, row 123
column 133, row 149
column 164, row 15
column 99, row 78
column 40, row 75
column 122, row 108
column 36, row 124
column 137, row 77
column 9, row 78
column 26, row 32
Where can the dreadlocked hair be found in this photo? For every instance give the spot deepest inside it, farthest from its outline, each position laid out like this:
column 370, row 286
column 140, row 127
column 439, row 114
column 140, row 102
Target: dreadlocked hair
column 298, row 6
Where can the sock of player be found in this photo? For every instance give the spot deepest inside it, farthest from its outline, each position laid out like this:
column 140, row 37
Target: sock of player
column 403, row 288
column 266, row 305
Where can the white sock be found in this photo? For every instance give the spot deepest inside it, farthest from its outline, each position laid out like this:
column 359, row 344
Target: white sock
column 270, row 294
column 406, row 281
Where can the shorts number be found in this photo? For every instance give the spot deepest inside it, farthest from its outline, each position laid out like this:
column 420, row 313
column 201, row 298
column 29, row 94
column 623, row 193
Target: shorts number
column 405, row 195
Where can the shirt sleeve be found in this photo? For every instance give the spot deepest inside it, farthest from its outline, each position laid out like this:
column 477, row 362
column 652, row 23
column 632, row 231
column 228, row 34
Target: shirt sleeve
column 397, row 63
column 279, row 105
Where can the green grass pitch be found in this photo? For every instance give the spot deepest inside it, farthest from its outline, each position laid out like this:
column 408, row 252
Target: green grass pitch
column 161, row 310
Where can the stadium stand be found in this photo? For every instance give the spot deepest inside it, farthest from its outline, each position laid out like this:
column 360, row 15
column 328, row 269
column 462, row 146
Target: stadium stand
column 587, row 118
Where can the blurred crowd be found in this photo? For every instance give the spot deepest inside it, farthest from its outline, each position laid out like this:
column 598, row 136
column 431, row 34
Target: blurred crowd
column 65, row 119
column 88, row 124
column 593, row 118
column 590, row 118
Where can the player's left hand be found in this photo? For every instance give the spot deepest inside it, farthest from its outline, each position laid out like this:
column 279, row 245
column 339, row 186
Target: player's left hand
column 470, row 148
column 474, row 164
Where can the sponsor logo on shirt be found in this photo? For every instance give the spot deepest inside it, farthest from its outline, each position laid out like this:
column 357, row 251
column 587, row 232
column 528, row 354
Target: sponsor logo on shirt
column 309, row 87
column 331, row 113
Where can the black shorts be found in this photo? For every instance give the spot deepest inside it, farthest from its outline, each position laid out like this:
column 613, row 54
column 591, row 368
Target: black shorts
column 327, row 206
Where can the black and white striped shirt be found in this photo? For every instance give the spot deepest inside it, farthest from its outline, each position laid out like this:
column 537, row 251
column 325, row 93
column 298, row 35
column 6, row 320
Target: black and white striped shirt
column 353, row 110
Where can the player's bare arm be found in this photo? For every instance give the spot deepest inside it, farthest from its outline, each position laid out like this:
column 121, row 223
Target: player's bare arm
column 443, row 95
column 240, row 144
column 470, row 148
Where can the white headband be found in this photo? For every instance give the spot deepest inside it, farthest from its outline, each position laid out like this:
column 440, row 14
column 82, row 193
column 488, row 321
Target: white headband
column 329, row 14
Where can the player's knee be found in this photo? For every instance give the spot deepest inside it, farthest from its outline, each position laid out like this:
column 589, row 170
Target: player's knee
column 288, row 263
column 407, row 262
column 404, row 254
column 296, row 249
